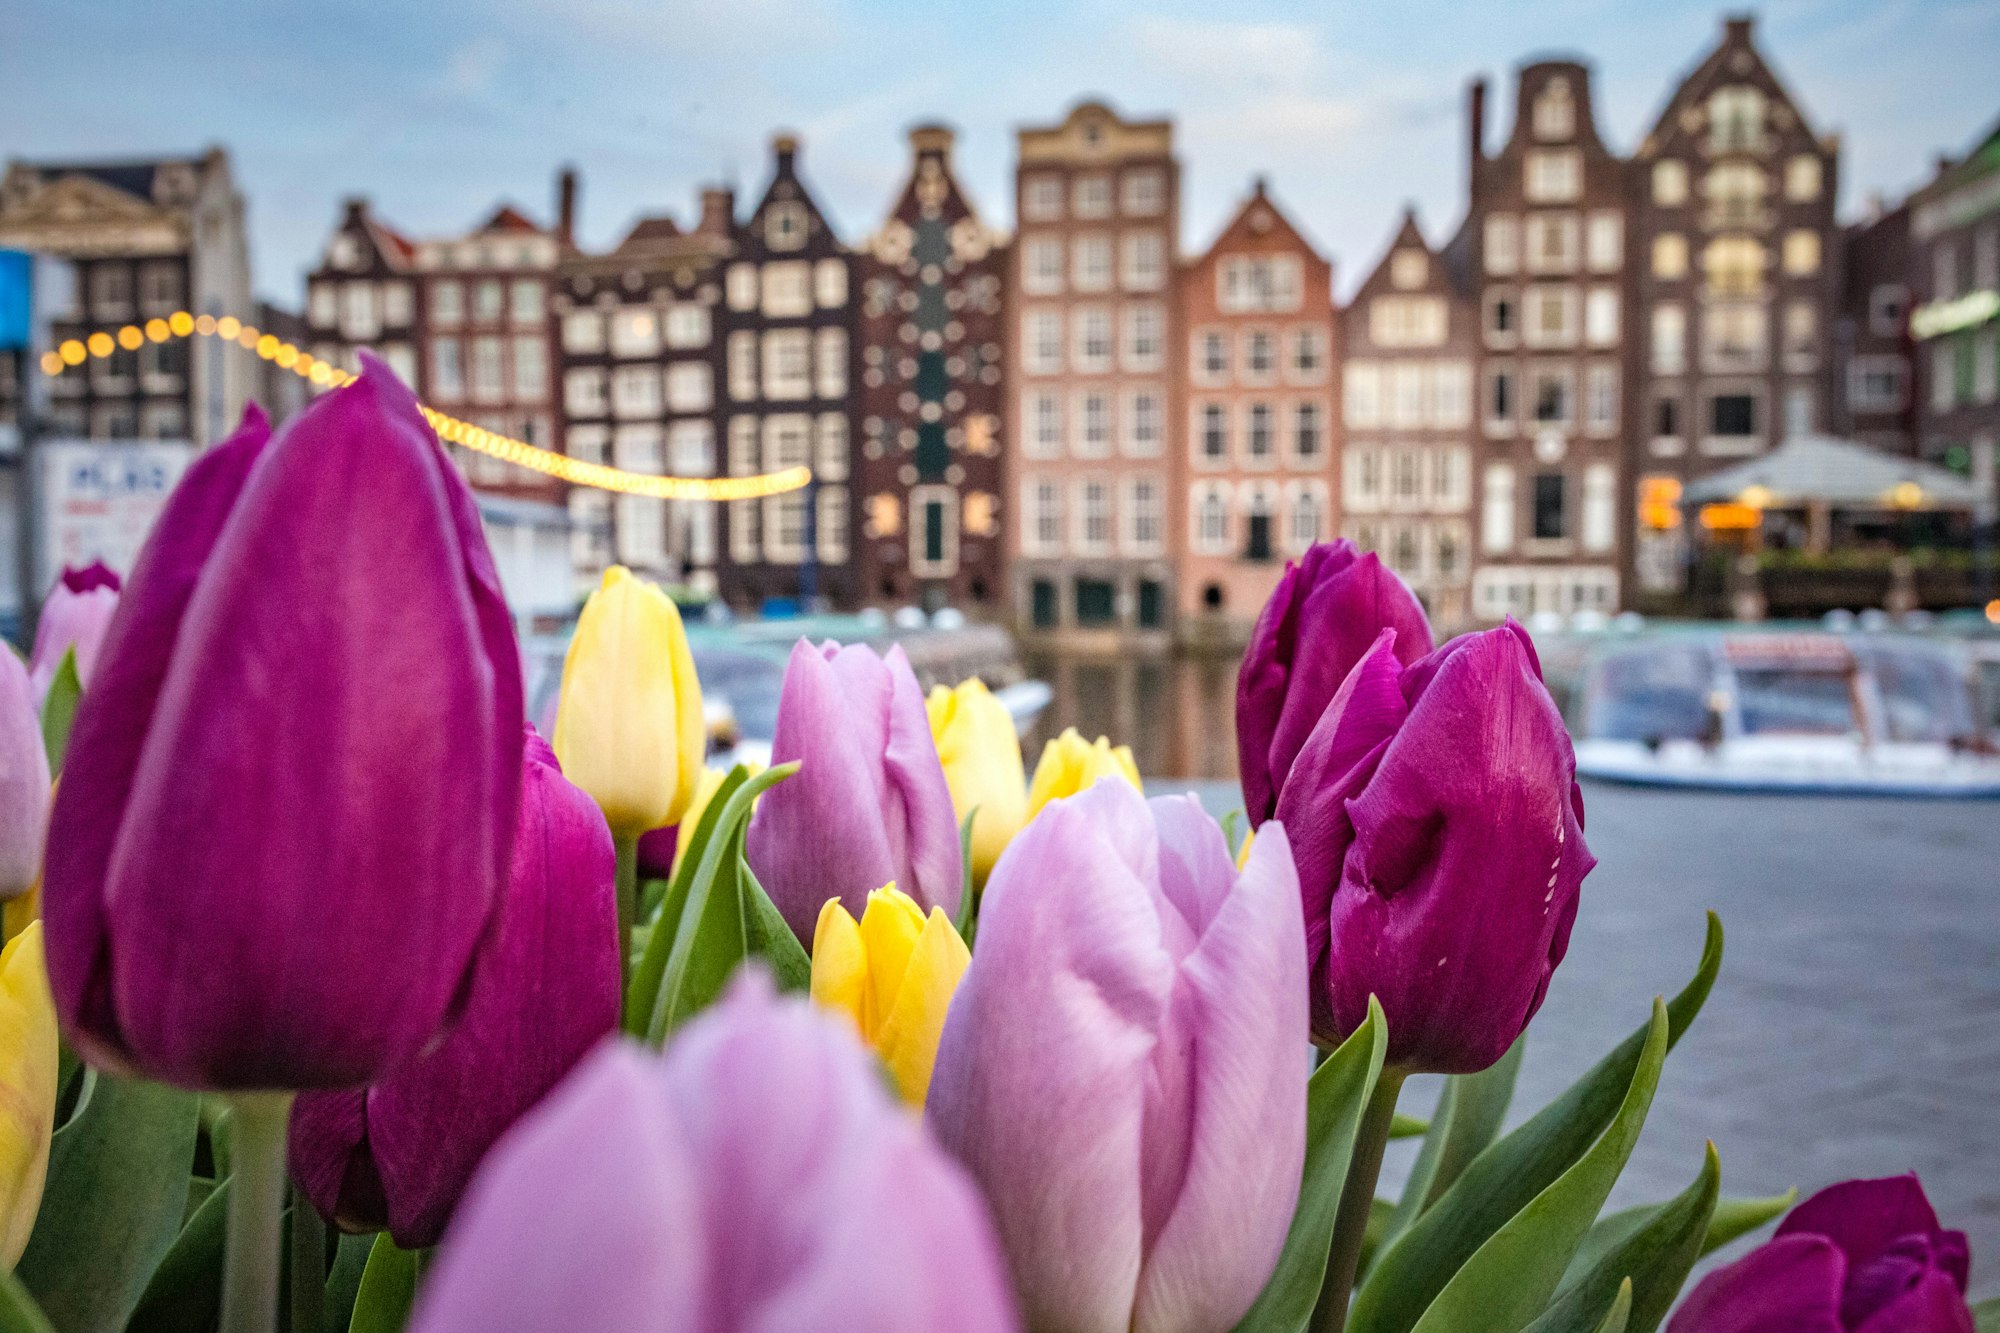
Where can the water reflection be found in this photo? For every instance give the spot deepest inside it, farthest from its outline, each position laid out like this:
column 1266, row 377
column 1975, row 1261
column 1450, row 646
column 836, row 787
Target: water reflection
column 1177, row 713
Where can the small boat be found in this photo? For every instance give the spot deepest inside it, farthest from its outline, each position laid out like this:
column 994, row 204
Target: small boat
column 1804, row 712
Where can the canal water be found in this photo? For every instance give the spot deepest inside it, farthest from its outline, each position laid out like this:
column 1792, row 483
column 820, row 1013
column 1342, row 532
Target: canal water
column 1177, row 713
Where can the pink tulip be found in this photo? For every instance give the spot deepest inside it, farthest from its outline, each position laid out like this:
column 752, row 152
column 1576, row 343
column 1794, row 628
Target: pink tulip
column 1123, row 1068
column 24, row 781
column 76, row 615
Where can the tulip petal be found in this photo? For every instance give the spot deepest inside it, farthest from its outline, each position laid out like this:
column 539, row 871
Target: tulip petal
column 1864, row 1217
column 840, row 965
column 1792, row 1283
column 914, row 1022
column 980, row 751
column 932, row 865
column 1932, row 1304
column 27, row 1087
column 111, row 727
column 24, row 781
column 889, row 932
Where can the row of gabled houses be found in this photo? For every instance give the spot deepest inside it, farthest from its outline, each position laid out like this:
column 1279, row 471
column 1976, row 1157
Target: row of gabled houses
column 1080, row 429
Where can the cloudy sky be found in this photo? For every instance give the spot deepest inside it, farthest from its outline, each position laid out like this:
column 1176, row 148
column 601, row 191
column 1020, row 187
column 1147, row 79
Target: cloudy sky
column 439, row 110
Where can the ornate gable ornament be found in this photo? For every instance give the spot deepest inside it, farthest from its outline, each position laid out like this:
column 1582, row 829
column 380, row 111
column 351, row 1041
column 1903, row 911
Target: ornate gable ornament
column 79, row 216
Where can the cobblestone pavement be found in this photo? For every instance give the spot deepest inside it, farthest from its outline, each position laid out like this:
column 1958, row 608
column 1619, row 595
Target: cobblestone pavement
column 1855, row 1029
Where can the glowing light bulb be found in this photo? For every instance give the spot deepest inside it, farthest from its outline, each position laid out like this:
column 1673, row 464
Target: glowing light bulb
column 100, row 344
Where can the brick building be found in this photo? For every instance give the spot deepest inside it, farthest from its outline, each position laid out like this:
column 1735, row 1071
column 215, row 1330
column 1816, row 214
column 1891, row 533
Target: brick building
column 1954, row 277
column 1872, row 401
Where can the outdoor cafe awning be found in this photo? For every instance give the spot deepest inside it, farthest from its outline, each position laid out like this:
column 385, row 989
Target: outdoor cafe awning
column 1809, row 470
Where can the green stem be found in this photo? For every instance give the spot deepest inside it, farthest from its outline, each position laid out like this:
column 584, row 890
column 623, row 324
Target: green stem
column 1357, row 1197
column 256, row 1211
column 308, row 1265
column 628, row 910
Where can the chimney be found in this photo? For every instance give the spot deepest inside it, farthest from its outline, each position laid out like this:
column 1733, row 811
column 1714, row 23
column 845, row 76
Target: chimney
column 354, row 209
column 718, row 211
column 784, row 147
column 1736, row 27
column 566, row 206
column 1475, row 130
column 932, row 140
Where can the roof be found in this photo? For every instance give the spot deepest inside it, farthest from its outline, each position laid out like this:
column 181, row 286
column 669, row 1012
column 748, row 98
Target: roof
column 509, row 218
column 1838, row 472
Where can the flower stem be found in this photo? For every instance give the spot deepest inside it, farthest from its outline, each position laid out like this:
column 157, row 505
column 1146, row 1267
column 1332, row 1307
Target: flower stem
column 628, row 910
column 308, row 1265
column 256, row 1211
column 1357, row 1198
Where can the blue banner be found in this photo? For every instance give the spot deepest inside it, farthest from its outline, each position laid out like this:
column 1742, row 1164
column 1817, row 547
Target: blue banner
column 16, row 298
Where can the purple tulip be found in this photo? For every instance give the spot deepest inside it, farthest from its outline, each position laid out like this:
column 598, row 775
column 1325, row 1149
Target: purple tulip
column 288, row 803
column 76, row 614
column 1123, row 1066
column 1439, row 836
column 24, row 781
column 1326, row 611
column 544, row 991
column 756, row 1177
column 1864, row 1256
column 869, row 804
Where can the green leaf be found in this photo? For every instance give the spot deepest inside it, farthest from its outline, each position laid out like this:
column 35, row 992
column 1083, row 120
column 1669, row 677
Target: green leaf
column 18, row 1311
column 1335, row 1101
column 185, row 1292
column 1986, row 1316
column 1468, row 1116
column 343, row 1284
column 1655, row 1257
column 1407, row 1127
column 665, row 919
column 1507, row 1176
column 1232, row 832
column 769, row 935
column 1738, row 1217
column 388, row 1289
column 968, row 894
column 1510, row 1278
column 59, row 709
column 1621, row 1309
column 117, row 1192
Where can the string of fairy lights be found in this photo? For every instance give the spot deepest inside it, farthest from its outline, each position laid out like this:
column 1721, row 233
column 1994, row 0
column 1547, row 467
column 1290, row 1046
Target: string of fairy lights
column 75, row 352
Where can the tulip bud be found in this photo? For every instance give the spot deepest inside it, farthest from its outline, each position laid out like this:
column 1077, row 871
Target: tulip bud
column 1863, row 1256
column 544, row 990
column 1123, row 1068
column 1439, row 835
column 1325, row 613
column 756, row 1177
column 980, row 750
column 629, row 727
column 289, row 798
column 869, row 804
column 1070, row 764
column 75, row 615
column 24, row 781
column 27, row 1088
column 893, row 974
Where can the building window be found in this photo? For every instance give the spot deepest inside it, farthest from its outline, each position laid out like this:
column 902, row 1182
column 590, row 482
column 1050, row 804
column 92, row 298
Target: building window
column 787, row 290
column 1214, row 435
column 1143, row 333
column 1308, row 434
column 583, row 331
column 1259, row 283
column 1503, row 321
column 1042, row 198
column 1093, row 414
column 1307, row 523
column 1503, row 243
column 1600, row 317
column 1551, row 316
column 1555, row 112
column 1092, row 196
column 531, row 369
column 1555, row 176
column 1497, row 509
column 691, row 448
column 1406, row 321
column 1406, row 477
column 1552, row 243
column 830, row 283
column 1448, row 477
column 1801, row 253
column 1257, row 537
column 1145, row 193
column 583, row 390
column 742, row 288
column 1260, row 355
column 1500, row 397
column 1670, row 183
column 447, row 302
column 1045, row 425
column 1600, row 507
column 1798, row 410
column 1802, row 178
column 1548, row 506
column 1092, row 353
column 690, row 388
column 687, row 325
column 1258, row 437
column 526, row 301
column 1308, row 354
column 1045, row 341
column 1601, row 403
column 1669, row 340
column 447, row 368
column 1211, row 518
column 1409, row 269
column 1801, row 336
column 1667, row 417
column 743, row 366
column 1090, row 262
column 1214, row 356
column 635, row 333
column 1043, row 273
column 1670, row 256
column 1143, row 261
column 1144, row 425
column 1361, row 395
column 1406, row 393
column 787, row 364
column 1732, row 414
column 1045, row 515
column 1733, row 337
column 1604, row 242
column 1552, row 398
column 1143, row 521
column 1451, row 394
column 1876, row 384
column 1093, row 503
column 1735, row 193
column 830, row 362
column 360, row 319
column 489, row 300
column 635, row 391
column 785, row 225
column 1363, row 471
column 1736, row 119
column 830, row 447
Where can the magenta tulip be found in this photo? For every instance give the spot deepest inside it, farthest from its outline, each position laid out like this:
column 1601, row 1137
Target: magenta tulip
column 75, row 615
column 1325, row 613
column 544, row 991
column 288, row 804
column 24, row 780
column 1123, row 1067
column 869, row 804
column 1864, row 1256
column 1439, row 834
column 756, row 1177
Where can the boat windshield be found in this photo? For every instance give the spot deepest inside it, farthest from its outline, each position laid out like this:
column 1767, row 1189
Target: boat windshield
column 1658, row 694
column 1795, row 700
column 1923, row 697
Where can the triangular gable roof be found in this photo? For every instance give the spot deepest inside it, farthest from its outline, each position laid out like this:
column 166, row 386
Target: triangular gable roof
column 1699, row 81
column 508, row 218
column 1239, row 222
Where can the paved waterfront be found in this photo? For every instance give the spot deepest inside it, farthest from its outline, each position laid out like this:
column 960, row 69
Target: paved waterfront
column 1855, row 1029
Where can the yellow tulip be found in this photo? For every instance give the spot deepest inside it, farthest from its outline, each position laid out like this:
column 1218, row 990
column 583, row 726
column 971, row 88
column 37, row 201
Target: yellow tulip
column 629, row 726
column 893, row 973
column 981, row 754
column 1243, row 852
column 27, row 1087
column 704, row 792
column 1069, row 764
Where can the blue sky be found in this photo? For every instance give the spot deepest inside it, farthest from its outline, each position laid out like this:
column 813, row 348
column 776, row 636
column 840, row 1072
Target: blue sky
column 439, row 110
